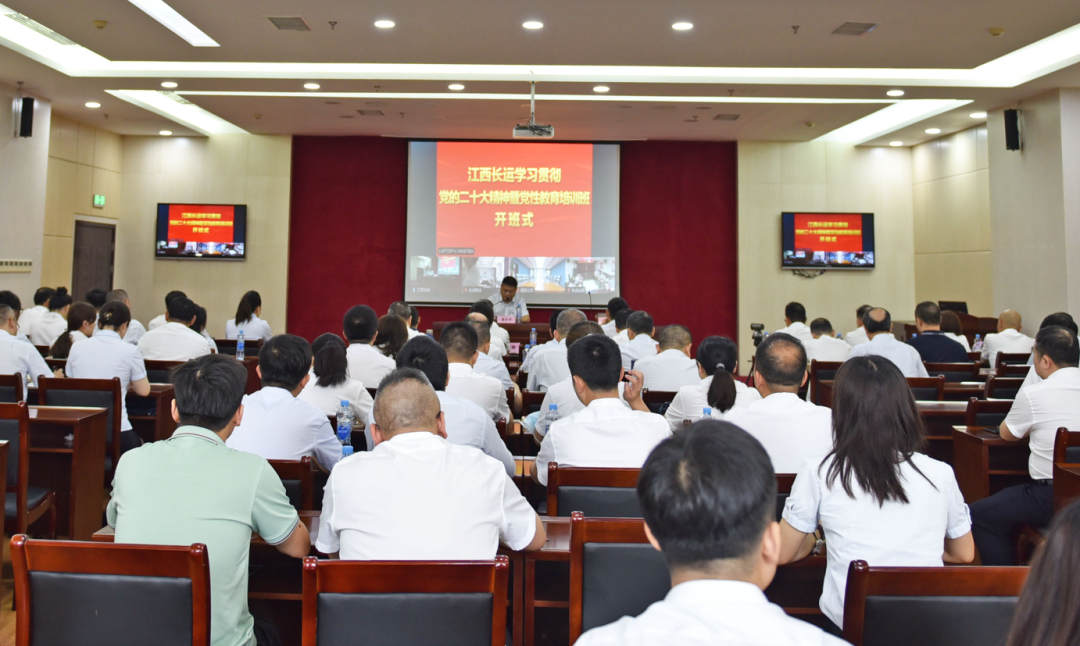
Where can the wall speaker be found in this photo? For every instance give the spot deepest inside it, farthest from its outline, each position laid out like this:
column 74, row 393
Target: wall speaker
column 1012, row 130
column 26, row 117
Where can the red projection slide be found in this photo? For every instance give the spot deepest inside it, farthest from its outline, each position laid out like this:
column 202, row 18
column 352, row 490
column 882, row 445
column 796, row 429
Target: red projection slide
column 502, row 199
column 201, row 223
column 828, row 232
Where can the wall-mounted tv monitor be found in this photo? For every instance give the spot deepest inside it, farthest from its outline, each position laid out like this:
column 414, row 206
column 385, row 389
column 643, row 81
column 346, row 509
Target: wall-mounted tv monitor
column 201, row 231
column 827, row 240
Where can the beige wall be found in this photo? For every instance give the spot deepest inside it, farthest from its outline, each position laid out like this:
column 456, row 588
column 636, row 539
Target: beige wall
column 225, row 169
column 83, row 161
column 951, row 184
column 777, row 177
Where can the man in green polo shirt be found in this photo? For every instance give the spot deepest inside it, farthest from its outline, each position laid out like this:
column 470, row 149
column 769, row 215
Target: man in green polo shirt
column 192, row 489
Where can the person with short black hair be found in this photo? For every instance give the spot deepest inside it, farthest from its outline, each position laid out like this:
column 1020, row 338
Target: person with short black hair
column 547, row 363
column 671, row 368
column 507, row 301
column 1008, row 338
column 825, row 346
column 48, row 328
column 135, row 330
column 708, row 498
column 562, row 394
column 554, row 341
column 500, row 338
column 162, row 319
column 485, row 365
column 858, row 335
column 467, row 423
column 41, row 308
column 1038, row 411
column 930, row 342
column 795, row 322
column 1063, row 319
column 175, row 341
column 640, row 342
column 366, row 363
column 461, row 343
column 11, row 299
column 96, row 297
column 622, row 334
column 191, row 488
column 606, row 433
column 330, row 382
column 19, row 356
column 878, row 325
column 717, row 361
column 277, row 425
column 435, row 501
column 790, row 428
column 415, row 318
column 614, row 306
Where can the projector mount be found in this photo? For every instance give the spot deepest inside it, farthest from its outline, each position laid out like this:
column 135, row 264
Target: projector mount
column 533, row 129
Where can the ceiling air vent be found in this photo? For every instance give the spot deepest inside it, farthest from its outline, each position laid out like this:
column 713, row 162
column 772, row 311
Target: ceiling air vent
column 370, row 113
column 289, row 23
column 854, row 28
column 726, row 117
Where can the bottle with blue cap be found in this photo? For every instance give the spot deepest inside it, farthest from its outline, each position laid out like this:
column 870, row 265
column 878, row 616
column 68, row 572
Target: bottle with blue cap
column 551, row 417
column 707, row 413
column 240, row 345
column 345, row 419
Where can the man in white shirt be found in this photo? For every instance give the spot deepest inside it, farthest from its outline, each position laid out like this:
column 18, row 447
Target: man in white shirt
column 135, row 330
column 40, row 308
column 507, row 301
column 436, row 501
column 277, row 425
column 795, row 320
column 1063, row 319
column 858, row 335
column 9, row 298
column 1008, row 339
column 825, row 346
column 402, row 310
column 554, row 341
column 613, row 307
column 485, row 365
column 462, row 348
column 708, row 497
column 19, row 356
column 500, row 338
column 175, row 341
column 547, row 364
column 640, row 334
column 672, row 368
column 466, row 423
column 606, row 433
column 878, row 325
column 622, row 334
column 789, row 428
column 162, row 319
column 1039, row 411
column 562, row 395
column 366, row 364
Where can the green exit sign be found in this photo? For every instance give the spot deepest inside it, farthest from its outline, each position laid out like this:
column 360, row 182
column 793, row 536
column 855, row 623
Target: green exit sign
column 99, row 201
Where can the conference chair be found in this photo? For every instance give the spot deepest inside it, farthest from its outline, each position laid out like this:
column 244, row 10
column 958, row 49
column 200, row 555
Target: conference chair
column 927, row 388
column 614, row 572
column 954, row 372
column 1013, row 370
column 12, row 388
column 94, row 393
column 657, row 400
column 57, row 364
column 784, row 481
column 975, row 356
column 1002, row 387
column 69, row 592
column 987, row 413
column 597, row 493
column 821, row 371
column 1011, row 359
column 930, row 606
column 228, row 347
column 160, row 372
column 1066, row 468
column 298, row 476
column 23, row 504
column 510, row 396
column 389, row 603
column 43, row 350
column 531, row 402
column 372, row 391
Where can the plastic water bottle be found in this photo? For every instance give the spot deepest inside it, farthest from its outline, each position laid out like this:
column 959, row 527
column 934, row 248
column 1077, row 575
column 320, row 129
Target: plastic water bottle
column 519, row 314
column 551, row 417
column 240, row 345
column 706, row 413
column 345, row 420
column 346, row 450
column 532, row 337
column 978, row 345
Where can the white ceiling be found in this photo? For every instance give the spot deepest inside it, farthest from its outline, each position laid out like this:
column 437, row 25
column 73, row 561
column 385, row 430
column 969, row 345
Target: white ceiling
column 911, row 34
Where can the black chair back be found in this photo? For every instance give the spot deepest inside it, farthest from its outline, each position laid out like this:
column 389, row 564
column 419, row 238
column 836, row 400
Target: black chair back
column 924, row 394
column 9, row 432
column 954, row 372
column 86, row 398
column 11, row 388
column 599, row 502
column 452, row 618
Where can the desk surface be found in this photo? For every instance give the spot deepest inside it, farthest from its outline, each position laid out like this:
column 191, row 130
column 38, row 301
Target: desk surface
column 942, row 407
column 63, row 414
column 310, row 519
column 986, row 437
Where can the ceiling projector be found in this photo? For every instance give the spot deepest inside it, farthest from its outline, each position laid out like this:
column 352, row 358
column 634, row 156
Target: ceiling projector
column 533, row 130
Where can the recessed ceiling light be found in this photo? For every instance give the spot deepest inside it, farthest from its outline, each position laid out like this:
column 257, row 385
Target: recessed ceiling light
column 384, row 24
column 896, row 143
column 311, row 86
column 978, row 115
column 456, row 87
column 933, row 131
column 682, row 26
column 532, row 24
column 601, row 88
column 93, row 104
column 168, row 84
column 895, row 93
column 179, row 25
column 165, row 133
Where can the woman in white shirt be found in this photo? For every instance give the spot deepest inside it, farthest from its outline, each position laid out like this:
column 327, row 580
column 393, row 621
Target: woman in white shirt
column 80, row 326
column 200, row 326
column 876, row 498
column 717, row 357
column 247, row 319
column 393, row 334
column 950, row 326
column 48, row 328
column 332, row 384
column 105, row 356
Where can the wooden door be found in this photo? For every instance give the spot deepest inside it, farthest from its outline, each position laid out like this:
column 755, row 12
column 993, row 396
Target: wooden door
column 93, row 263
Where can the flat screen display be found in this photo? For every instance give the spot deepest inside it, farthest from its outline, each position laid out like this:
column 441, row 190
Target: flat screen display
column 827, row 240
column 201, row 231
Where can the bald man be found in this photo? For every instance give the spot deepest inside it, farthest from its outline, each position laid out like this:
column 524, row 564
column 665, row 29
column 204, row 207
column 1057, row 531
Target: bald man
column 878, row 325
column 672, row 368
column 1008, row 339
column 436, row 501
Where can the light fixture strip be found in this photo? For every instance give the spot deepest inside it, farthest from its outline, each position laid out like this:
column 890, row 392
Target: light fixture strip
column 890, row 119
column 186, row 114
column 171, row 19
column 482, row 96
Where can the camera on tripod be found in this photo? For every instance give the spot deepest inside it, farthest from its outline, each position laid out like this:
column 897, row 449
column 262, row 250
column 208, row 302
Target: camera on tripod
column 759, row 333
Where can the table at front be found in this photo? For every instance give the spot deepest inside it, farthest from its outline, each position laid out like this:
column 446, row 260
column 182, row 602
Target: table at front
column 75, row 471
column 985, row 464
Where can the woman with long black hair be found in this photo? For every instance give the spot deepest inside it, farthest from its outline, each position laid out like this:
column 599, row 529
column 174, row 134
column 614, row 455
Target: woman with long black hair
column 332, row 384
column 80, row 327
column 717, row 358
column 247, row 319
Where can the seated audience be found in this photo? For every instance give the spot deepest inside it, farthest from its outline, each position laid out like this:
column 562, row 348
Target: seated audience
column 547, row 364
column 878, row 325
column 462, row 347
column 277, row 425
column 795, row 320
column 366, row 364
column 81, row 319
column 672, row 368
column 332, row 383
column 436, row 500
column 105, row 355
column 135, row 330
column 191, row 488
column 200, row 326
column 613, row 307
column 931, row 343
column 622, row 334
column 393, row 333
column 466, row 423
column 40, row 309
column 415, row 324
column 951, row 327
column 485, row 365
column 247, row 319
column 1046, row 612
column 1063, row 319
column 562, row 394
column 790, row 428
column 555, row 341
column 708, row 497
column 1008, row 338
column 1039, row 411
column 11, row 299
column 403, row 311
column 19, row 356
column 507, row 301
column 606, row 433
column 717, row 358
column 858, row 335
column 162, row 319
column 500, row 338
column 640, row 342
column 96, row 297
column 825, row 346
column 876, row 498
column 175, row 341
column 48, row 328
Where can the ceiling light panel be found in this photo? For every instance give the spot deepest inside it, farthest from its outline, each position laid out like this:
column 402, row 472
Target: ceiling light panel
column 177, row 24
column 384, row 24
column 854, row 28
column 174, row 107
column 894, row 117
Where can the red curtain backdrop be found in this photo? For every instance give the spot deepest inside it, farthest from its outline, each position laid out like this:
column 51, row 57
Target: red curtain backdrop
column 678, row 236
